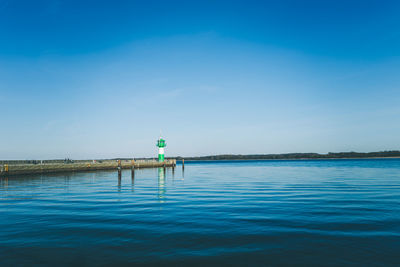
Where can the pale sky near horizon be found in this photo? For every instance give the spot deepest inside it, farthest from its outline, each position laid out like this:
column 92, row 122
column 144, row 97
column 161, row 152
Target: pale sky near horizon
column 101, row 79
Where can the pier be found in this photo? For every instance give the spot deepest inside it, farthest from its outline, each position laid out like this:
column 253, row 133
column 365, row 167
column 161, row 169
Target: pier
column 37, row 167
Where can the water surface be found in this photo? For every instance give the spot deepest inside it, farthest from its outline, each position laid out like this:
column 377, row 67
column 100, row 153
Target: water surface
column 311, row 212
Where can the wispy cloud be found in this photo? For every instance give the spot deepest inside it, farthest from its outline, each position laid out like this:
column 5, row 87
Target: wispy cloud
column 3, row 5
column 170, row 94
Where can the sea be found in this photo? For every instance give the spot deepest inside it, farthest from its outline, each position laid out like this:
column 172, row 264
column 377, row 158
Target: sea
column 343, row 212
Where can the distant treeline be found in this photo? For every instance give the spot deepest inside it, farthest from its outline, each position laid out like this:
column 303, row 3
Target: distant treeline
column 330, row 155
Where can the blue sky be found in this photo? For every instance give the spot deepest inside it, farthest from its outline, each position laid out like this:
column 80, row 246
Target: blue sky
column 99, row 79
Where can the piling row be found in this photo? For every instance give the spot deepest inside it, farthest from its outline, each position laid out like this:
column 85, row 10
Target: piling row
column 17, row 169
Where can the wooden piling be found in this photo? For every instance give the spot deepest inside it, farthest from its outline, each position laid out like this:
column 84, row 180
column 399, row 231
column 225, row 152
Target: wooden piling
column 119, row 179
column 119, row 171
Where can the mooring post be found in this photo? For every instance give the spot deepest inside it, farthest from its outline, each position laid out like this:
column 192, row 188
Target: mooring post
column 119, row 172
column 183, row 164
column 6, row 168
column 119, row 169
column 133, row 164
column 119, row 180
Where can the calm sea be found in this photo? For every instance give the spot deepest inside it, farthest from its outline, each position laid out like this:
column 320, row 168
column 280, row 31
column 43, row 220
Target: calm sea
column 244, row 213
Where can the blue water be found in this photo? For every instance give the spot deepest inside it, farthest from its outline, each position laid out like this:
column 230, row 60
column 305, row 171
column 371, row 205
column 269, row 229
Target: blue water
column 244, row 213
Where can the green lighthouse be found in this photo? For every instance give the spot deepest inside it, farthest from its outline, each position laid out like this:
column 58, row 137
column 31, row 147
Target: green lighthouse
column 161, row 144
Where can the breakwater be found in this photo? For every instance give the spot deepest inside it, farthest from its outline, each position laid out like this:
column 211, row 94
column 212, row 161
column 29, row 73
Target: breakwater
column 32, row 168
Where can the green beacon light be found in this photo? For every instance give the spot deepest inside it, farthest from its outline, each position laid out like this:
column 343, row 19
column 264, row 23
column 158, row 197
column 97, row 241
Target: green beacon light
column 161, row 144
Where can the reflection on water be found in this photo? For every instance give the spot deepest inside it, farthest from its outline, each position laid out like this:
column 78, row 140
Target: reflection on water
column 119, row 180
column 133, row 179
column 4, row 182
column 161, row 185
column 93, row 177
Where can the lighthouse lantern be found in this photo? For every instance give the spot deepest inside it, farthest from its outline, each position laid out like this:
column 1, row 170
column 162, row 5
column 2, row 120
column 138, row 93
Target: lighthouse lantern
column 161, row 144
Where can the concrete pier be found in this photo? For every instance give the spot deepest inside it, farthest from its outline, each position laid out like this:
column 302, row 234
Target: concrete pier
column 17, row 169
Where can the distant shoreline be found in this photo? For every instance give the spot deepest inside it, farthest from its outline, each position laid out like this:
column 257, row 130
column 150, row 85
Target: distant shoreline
column 300, row 156
column 187, row 160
